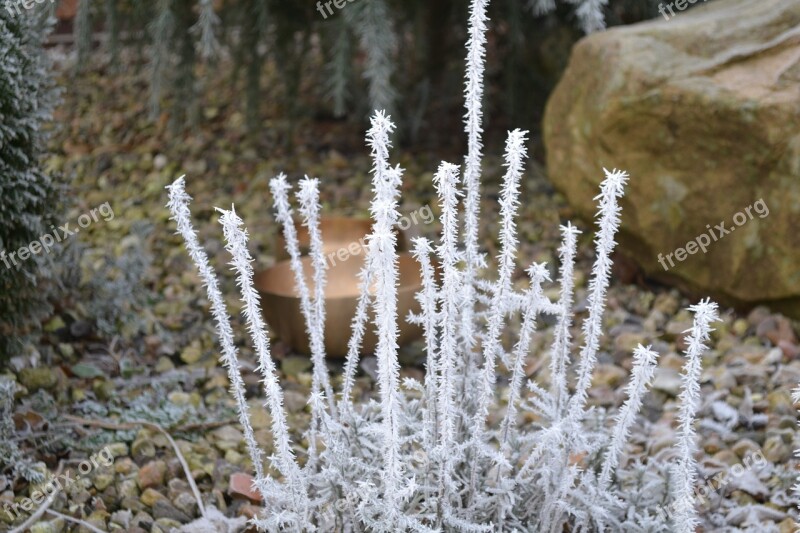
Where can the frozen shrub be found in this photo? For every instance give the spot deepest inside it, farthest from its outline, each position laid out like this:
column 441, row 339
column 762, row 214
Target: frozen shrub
column 424, row 456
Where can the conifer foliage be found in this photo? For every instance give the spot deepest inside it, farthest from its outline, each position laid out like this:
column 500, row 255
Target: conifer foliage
column 27, row 194
column 426, row 456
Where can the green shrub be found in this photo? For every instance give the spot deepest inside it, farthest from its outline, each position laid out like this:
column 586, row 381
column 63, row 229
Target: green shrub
column 28, row 196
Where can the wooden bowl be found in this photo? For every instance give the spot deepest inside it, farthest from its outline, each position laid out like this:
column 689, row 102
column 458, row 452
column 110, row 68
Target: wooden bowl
column 281, row 304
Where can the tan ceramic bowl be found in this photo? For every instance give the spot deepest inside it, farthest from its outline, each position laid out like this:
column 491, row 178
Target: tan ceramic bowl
column 281, row 304
column 338, row 234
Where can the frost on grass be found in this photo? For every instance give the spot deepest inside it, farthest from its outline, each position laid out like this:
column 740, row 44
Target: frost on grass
column 426, row 456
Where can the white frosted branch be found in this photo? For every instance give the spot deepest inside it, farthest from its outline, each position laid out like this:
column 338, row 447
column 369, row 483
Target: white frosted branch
column 241, row 262
column 445, row 180
column 559, row 352
column 308, row 196
column 538, row 275
column 611, row 190
column 644, row 366
column 386, row 183
column 705, row 312
column 179, row 207
column 428, row 298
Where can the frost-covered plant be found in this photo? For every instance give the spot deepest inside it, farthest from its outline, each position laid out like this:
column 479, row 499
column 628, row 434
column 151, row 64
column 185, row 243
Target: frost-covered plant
column 10, row 454
column 426, row 456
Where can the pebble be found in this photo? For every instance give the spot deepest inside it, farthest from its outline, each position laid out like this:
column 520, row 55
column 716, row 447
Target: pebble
column 152, row 475
column 38, row 378
column 775, row 450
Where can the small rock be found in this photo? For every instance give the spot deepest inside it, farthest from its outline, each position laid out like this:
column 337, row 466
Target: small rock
column 160, row 161
column 608, row 376
column 726, row 457
column 773, row 356
column 143, row 448
column 163, row 509
column 164, row 365
column 117, row 449
column 102, row 481
column 745, row 448
column 790, row 350
column 747, row 481
column 627, row 341
column 38, row 378
column 179, row 398
column 152, row 474
column 80, row 329
column 775, row 450
column 98, row 519
column 150, row 497
column 776, row 328
column 241, row 485
column 667, row 380
column 192, row 353
column 45, row 527
column 740, row 326
column 780, row 402
column 186, row 503
column 124, row 466
column 128, row 488
column 758, row 315
column 294, row 401
column 142, row 519
column 122, row 519
column 293, row 366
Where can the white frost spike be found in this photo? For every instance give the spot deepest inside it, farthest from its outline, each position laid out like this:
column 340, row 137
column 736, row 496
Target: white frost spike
column 534, row 299
column 358, row 328
column 644, row 366
column 283, row 213
column 386, row 186
column 611, row 190
column 473, row 94
column 515, row 155
column 236, row 244
column 310, row 209
column 445, row 180
column 705, row 312
column 559, row 352
column 427, row 299
column 473, row 101
column 179, row 207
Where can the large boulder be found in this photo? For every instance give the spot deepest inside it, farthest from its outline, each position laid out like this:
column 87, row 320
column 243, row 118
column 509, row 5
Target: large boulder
column 703, row 111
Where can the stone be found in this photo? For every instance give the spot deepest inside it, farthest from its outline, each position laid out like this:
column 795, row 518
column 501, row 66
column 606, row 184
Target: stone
column 667, row 380
column 241, row 485
column 152, row 474
column 38, row 378
column 775, row 450
column 702, row 112
column 608, row 376
column 294, row 401
column 164, row 509
column 151, row 496
column 186, row 503
column 102, row 481
column 44, row 527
